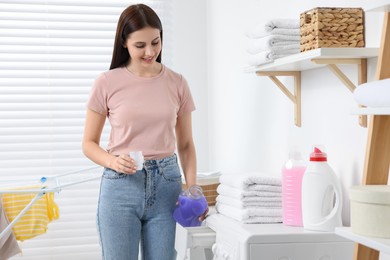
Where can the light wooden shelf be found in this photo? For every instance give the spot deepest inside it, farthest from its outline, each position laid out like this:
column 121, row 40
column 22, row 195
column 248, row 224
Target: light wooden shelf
column 371, row 111
column 292, row 66
column 303, row 61
column 379, row 244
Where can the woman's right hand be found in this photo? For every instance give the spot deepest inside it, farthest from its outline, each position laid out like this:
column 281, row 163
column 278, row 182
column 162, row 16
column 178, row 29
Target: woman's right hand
column 123, row 164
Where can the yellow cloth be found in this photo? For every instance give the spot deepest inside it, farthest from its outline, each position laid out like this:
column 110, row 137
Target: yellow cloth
column 34, row 222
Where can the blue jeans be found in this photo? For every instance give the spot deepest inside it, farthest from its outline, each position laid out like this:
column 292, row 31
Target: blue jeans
column 136, row 209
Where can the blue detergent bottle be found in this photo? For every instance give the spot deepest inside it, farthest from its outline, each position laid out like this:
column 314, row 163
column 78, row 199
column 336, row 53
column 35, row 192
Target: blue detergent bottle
column 191, row 204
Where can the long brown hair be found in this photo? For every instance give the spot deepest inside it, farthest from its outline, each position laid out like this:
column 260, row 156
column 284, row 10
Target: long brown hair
column 133, row 18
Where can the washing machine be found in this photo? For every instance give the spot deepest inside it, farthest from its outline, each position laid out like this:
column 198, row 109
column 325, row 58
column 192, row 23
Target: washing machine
column 237, row 241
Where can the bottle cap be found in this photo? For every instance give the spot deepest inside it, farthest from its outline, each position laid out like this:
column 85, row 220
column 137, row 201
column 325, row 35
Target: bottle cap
column 195, row 192
column 318, row 155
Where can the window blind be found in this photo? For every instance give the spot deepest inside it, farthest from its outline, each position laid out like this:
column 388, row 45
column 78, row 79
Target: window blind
column 50, row 53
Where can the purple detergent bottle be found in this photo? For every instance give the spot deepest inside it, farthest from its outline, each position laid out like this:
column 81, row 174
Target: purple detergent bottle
column 191, row 205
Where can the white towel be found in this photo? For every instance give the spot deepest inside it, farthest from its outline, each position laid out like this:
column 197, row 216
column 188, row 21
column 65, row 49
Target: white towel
column 261, row 58
column 265, row 57
column 252, row 182
column 255, row 199
column 282, row 23
column 259, row 32
column 264, row 187
column 374, row 93
column 265, row 215
column 205, row 175
column 263, row 220
column 273, row 43
column 245, row 180
column 241, row 204
column 229, row 191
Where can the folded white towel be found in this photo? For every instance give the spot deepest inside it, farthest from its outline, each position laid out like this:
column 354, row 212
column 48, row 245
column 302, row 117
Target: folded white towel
column 245, row 180
column 252, row 182
column 254, row 199
column 272, row 43
column 264, row 187
column 259, row 32
column 261, row 58
column 265, row 57
column 230, row 191
column 373, row 93
column 282, row 23
column 263, row 220
column 237, row 203
column 212, row 174
column 245, row 215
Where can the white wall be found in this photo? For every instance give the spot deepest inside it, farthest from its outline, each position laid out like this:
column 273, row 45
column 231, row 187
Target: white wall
column 251, row 122
column 190, row 59
column 244, row 122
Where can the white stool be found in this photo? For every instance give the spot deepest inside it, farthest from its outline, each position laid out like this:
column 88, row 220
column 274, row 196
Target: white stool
column 194, row 243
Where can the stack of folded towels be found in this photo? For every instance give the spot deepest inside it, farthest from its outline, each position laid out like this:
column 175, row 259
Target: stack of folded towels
column 250, row 198
column 276, row 39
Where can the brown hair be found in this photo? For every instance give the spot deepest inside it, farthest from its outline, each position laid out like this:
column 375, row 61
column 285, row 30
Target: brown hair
column 133, row 18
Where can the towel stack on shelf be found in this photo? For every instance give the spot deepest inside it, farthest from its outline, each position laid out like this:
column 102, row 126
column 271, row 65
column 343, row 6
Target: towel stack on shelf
column 275, row 39
column 250, row 198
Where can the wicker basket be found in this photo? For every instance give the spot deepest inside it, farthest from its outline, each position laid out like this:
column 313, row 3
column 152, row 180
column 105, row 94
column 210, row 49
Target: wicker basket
column 332, row 27
column 210, row 192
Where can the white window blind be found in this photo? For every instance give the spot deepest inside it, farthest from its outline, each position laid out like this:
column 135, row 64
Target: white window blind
column 50, row 53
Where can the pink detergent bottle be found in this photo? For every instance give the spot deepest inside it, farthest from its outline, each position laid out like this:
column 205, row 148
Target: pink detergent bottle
column 292, row 174
column 191, row 205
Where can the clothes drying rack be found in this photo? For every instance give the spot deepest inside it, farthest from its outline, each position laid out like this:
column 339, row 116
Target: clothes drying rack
column 49, row 184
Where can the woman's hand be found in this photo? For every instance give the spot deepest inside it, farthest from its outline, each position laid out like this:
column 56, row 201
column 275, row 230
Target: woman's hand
column 204, row 215
column 123, row 164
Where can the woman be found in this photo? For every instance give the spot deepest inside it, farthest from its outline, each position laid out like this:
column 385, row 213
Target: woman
column 149, row 108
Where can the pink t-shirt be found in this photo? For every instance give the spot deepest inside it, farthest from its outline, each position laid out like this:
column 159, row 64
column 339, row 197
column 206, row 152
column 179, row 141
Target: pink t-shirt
column 142, row 111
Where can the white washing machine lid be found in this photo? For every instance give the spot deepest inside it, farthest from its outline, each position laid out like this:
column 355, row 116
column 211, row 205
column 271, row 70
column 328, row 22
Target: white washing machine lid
column 267, row 233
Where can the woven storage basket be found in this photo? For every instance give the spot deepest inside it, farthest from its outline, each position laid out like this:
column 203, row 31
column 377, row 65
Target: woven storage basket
column 210, row 192
column 332, row 28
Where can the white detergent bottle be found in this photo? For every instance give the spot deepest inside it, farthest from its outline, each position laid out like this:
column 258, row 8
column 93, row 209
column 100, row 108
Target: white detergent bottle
column 321, row 194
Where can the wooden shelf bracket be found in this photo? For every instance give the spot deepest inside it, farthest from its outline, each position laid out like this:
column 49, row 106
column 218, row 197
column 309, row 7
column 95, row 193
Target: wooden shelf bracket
column 362, row 75
column 294, row 97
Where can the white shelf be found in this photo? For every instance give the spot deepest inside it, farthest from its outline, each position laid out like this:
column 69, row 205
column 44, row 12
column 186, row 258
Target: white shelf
column 379, row 244
column 302, row 61
column 371, row 111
